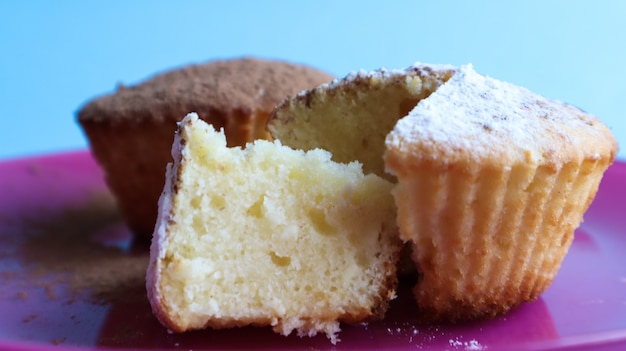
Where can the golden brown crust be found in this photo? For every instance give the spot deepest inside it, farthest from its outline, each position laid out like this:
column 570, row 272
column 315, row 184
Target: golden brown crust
column 132, row 167
column 492, row 182
column 131, row 131
column 483, row 244
column 365, row 82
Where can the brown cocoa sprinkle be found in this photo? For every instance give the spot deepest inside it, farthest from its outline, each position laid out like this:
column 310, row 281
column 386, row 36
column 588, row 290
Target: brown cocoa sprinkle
column 22, row 295
column 58, row 341
column 87, row 250
column 29, row 318
column 221, row 85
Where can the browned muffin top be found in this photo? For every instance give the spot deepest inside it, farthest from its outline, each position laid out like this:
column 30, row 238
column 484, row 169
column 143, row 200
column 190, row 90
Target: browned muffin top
column 241, row 85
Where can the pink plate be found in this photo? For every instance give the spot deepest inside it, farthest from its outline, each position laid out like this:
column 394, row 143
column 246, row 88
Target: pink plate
column 72, row 278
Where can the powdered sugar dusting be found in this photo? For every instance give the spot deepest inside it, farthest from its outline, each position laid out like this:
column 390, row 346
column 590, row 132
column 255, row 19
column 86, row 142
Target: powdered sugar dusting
column 384, row 73
column 466, row 345
column 431, row 337
column 406, row 330
column 492, row 119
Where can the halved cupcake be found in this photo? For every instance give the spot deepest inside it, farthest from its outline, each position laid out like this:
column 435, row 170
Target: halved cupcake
column 491, row 179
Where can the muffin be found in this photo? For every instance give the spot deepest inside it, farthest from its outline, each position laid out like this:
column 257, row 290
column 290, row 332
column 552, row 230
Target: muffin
column 491, row 180
column 131, row 131
column 269, row 236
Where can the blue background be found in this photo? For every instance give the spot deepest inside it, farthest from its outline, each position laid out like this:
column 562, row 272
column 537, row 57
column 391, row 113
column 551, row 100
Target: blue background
column 56, row 55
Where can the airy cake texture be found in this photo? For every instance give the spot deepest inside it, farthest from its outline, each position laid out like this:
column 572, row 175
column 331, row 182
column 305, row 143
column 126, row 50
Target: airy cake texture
column 131, row 130
column 351, row 117
column 491, row 179
column 268, row 235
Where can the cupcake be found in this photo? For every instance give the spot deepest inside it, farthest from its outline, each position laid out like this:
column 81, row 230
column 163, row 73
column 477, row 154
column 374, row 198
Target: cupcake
column 131, row 131
column 491, row 180
column 269, row 236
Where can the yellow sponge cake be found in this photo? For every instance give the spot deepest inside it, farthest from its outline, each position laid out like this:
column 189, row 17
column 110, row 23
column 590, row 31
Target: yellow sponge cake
column 269, row 236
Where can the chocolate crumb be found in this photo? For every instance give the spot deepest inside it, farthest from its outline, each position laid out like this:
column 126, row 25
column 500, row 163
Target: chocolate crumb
column 58, row 341
column 22, row 295
column 29, row 318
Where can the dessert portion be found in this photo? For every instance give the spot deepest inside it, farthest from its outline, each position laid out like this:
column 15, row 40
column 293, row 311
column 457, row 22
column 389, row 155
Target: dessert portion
column 351, row 117
column 131, row 131
column 491, row 180
column 269, row 236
